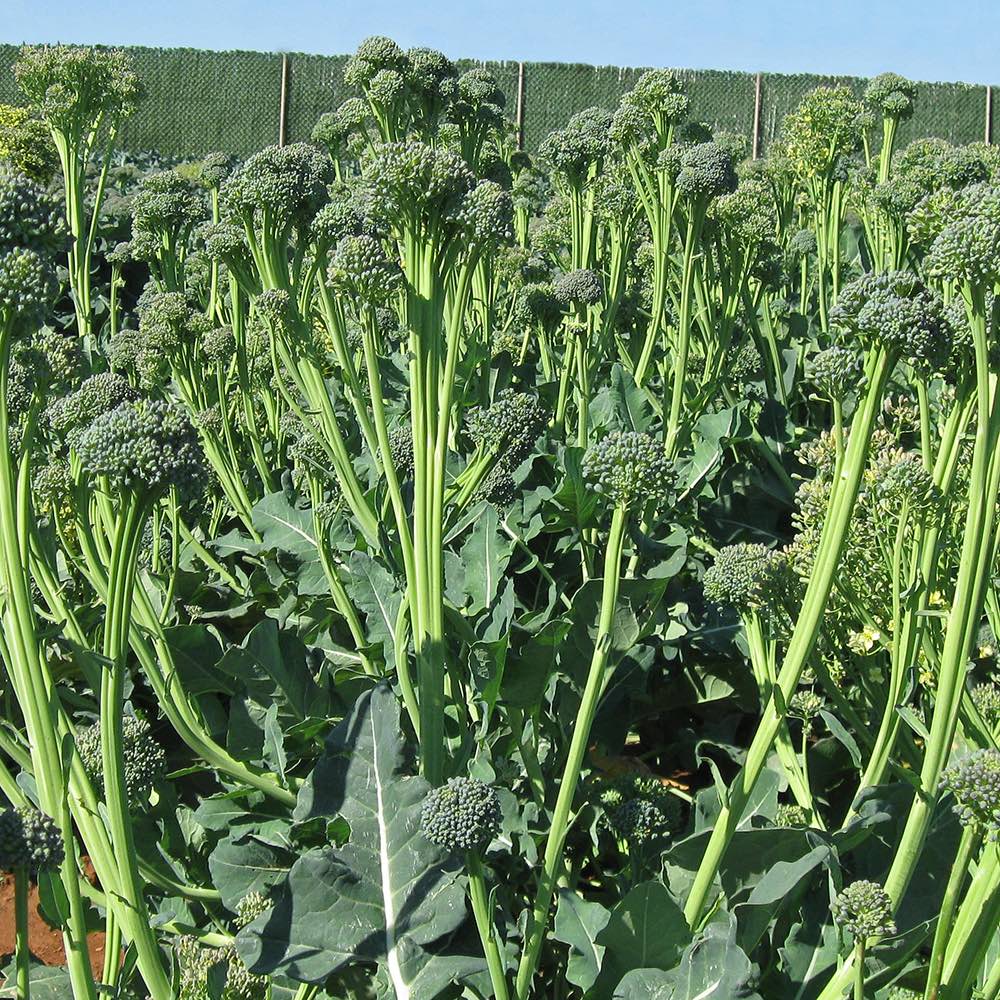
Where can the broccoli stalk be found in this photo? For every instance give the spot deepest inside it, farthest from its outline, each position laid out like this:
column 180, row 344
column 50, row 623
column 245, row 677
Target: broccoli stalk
column 893, row 317
column 704, row 172
column 137, row 453
column 83, row 95
column 818, row 135
column 644, row 127
column 632, row 472
column 754, row 580
column 463, row 816
column 26, row 287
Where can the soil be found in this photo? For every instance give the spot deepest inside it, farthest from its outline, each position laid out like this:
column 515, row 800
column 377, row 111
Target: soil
column 45, row 941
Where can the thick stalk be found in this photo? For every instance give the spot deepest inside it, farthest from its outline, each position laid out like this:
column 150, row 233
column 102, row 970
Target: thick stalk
column 134, row 914
column 802, row 641
column 596, row 682
column 480, row 899
column 22, row 951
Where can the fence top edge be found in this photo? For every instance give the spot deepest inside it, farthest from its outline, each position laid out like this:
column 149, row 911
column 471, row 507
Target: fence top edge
column 528, row 64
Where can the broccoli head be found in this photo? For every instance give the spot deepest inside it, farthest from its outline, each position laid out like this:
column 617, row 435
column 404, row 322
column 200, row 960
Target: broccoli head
column 891, row 96
column 143, row 758
column 461, row 815
column 360, row 264
column 864, row 910
column 76, row 87
column 509, row 426
column 706, row 171
column 974, row 781
column 747, row 575
column 582, row 287
column 894, row 310
column 628, row 467
column 144, row 448
column 29, row 840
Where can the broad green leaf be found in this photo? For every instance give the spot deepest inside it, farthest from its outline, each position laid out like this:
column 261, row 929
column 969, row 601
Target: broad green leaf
column 272, row 665
column 48, row 982
column 243, row 863
column 484, row 558
column 382, row 896
column 376, row 595
column 712, row 968
column 289, row 529
column 646, row 930
column 577, row 924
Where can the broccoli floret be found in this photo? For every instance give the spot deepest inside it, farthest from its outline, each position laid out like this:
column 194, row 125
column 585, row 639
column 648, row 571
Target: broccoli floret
column 142, row 756
column 640, row 822
column 975, row 783
column 802, row 244
column 837, row 371
column 864, row 910
column 967, row 248
column 417, row 183
column 825, row 127
column 896, row 310
column 986, row 698
column 74, row 88
column 218, row 345
column 250, row 907
column 509, row 426
column 628, row 467
column 461, row 815
column 805, row 705
column 747, row 365
column 706, row 172
column 25, row 144
column 213, row 169
column 29, row 840
column 790, row 814
column 376, row 54
column 891, row 96
column 96, row 395
column 747, row 575
column 27, row 286
column 166, row 202
column 580, row 147
column 29, row 217
column 537, row 302
column 401, row 450
column 582, row 287
column 144, row 448
column 487, row 216
column 897, row 477
column 360, row 264
column 287, row 184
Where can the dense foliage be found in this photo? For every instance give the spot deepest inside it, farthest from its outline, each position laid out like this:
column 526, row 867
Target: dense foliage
column 430, row 570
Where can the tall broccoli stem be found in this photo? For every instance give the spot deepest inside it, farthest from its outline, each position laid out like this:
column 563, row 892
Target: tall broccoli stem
column 480, row 899
column 597, row 678
column 22, row 951
column 963, row 618
column 967, row 848
column 134, row 915
column 926, row 544
column 672, row 426
column 803, row 637
column 974, row 928
column 28, row 671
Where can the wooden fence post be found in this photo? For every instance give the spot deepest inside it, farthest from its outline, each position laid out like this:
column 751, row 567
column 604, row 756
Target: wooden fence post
column 756, row 118
column 989, row 116
column 283, row 110
column 520, row 105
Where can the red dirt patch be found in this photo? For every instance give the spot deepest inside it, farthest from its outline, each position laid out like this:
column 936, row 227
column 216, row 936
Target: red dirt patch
column 46, row 942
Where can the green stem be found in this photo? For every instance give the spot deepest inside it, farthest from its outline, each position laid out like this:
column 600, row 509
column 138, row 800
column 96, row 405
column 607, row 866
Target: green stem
column 480, row 899
column 22, row 952
column 596, row 680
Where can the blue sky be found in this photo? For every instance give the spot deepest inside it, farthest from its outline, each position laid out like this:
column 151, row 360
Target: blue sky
column 923, row 39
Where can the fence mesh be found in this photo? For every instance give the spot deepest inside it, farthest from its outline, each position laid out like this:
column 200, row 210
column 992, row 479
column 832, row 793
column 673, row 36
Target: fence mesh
column 231, row 101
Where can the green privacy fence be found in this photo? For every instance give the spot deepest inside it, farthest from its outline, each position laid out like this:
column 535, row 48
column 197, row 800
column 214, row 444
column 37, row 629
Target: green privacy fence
column 238, row 102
